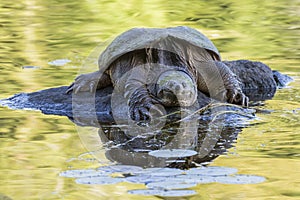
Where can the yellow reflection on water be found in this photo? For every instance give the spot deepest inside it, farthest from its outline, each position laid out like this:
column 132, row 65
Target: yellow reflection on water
column 35, row 148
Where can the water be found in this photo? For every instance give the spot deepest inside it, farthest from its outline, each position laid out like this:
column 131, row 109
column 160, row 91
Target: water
column 39, row 38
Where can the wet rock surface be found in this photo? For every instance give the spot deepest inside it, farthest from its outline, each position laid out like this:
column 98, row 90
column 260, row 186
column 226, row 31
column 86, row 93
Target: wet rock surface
column 258, row 82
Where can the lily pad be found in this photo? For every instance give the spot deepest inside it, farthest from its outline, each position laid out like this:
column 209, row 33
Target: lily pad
column 79, row 173
column 30, row 67
column 241, row 179
column 193, row 179
column 163, row 193
column 160, row 171
column 99, row 180
column 120, row 169
column 172, row 153
column 59, row 62
column 143, row 179
column 170, row 185
column 211, row 171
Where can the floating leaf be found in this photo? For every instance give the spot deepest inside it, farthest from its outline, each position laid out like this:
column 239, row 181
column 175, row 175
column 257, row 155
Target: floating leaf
column 120, row 169
column 59, row 62
column 170, row 185
column 78, row 173
column 240, row 179
column 193, row 179
column 99, row 180
column 172, row 153
column 30, row 67
column 143, row 179
column 160, row 172
column 163, row 193
column 211, row 171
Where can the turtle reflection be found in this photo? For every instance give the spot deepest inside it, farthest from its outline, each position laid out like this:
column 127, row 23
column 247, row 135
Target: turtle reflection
column 183, row 142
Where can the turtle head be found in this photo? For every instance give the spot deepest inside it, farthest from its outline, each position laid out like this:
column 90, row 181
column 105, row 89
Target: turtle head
column 176, row 88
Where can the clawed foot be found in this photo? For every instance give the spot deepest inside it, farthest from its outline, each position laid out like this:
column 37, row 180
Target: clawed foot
column 236, row 96
column 84, row 83
column 145, row 109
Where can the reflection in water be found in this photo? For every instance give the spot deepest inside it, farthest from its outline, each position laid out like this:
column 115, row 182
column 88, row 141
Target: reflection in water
column 187, row 142
column 206, row 136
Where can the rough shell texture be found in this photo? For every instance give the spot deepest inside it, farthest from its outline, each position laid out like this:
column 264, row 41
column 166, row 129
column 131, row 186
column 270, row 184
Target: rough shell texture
column 140, row 38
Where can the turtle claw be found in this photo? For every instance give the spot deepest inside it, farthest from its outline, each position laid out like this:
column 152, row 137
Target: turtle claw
column 145, row 111
column 84, row 83
column 144, row 114
column 237, row 97
column 77, row 89
column 70, row 88
column 245, row 101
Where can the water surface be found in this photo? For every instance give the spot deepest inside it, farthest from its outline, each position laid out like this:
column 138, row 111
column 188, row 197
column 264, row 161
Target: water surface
column 39, row 38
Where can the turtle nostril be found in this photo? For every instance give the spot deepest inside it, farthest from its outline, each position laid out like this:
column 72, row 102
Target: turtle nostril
column 177, row 88
column 184, row 84
column 167, row 92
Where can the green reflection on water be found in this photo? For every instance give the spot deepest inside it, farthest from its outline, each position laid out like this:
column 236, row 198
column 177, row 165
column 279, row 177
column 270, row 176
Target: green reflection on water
column 35, row 148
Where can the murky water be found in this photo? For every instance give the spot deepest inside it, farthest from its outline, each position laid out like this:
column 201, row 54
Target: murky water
column 39, row 38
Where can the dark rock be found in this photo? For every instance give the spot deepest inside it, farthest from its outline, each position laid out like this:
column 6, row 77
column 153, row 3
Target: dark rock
column 258, row 81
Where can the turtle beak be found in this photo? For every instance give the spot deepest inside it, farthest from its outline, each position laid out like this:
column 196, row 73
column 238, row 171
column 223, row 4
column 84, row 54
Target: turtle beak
column 167, row 97
column 175, row 98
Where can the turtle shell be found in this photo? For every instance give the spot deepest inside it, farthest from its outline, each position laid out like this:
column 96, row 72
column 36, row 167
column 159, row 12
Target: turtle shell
column 141, row 38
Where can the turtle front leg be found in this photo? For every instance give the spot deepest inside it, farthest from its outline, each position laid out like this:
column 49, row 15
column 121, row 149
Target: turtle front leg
column 217, row 80
column 233, row 92
column 143, row 105
column 89, row 82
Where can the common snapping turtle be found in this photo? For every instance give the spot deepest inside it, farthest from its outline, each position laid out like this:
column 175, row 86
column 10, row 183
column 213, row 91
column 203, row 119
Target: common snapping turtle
column 167, row 66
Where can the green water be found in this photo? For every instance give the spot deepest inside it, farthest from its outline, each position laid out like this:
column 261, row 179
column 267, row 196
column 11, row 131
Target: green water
column 35, row 148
